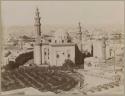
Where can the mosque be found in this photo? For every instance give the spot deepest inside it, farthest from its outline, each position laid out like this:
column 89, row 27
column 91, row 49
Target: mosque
column 54, row 52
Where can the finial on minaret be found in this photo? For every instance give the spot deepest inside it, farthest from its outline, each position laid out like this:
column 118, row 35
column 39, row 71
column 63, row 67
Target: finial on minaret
column 37, row 12
column 37, row 9
column 79, row 24
column 80, row 28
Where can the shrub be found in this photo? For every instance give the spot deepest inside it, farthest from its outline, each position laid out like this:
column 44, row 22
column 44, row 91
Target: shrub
column 68, row 64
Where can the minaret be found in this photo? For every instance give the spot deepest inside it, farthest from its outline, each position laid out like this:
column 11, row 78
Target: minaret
column 37, row 26
column 80, row 36
column 37, row 45
column 92, row 50
column 20, row 43
column 104, row 49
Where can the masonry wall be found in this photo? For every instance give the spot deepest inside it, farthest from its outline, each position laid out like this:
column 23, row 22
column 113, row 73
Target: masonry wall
column 58, row 54
column 98, row 49
column 37, row 55
column 45, row 54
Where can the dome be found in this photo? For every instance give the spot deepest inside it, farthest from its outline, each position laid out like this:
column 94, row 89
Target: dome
column 61, row 36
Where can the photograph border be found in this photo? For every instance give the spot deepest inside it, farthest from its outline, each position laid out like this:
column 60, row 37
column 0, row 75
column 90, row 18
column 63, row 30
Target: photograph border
column 2, row 42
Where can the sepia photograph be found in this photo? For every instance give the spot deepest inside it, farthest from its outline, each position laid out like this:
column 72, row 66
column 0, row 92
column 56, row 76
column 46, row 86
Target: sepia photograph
column 62, row 48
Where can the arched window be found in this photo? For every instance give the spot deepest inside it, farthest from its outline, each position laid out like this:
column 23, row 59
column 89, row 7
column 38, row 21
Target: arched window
column 48, row 51
column 68, row 55
column 55, row 41
column 44, row 53
column 62, row 41
column 57, row 56
column 89, row 64
column 49, row 40
column 110, row 52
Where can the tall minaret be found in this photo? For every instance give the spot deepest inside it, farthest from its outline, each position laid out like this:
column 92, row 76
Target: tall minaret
column 104, row 49
column 37, row 26
column 80, row 35
column 37, row 45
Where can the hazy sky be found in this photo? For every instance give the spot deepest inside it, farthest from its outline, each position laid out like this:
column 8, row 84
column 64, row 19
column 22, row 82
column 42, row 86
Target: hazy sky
column 63, row 12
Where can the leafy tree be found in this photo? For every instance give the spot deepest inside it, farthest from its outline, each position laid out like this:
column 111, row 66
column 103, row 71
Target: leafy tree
column 68, row 64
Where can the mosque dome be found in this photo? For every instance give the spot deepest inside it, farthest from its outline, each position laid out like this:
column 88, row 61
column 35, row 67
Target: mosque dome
column 61, row 36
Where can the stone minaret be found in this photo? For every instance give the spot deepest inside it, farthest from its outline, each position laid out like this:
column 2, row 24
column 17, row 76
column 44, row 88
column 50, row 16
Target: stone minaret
column 20, row 43
column 37, row 24
column 37, row 45
column 104, row 49
column 80, row 36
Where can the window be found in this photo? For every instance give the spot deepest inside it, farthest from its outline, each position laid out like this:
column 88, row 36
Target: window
column 110, row 52
column 57, row 56
column 55, row 41
column 30, row 64
column 49, row 40
column 68, row 55
column 44, row 53
column 89, row 64
column 62, row 41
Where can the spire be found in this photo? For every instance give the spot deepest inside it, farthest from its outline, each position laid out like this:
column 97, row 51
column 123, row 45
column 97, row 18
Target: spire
column 37, row 12
column 80, row 31
column 80, row 35
column 37, row 22
column 79, row 24
column 37, row 26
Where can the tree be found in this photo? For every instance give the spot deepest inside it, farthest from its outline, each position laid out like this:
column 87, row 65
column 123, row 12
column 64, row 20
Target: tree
column 68, row 64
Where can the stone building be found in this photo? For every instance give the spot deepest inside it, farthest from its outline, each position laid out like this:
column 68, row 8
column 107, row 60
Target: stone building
column 54, row 52
column 59, row 47
column 99, row 49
